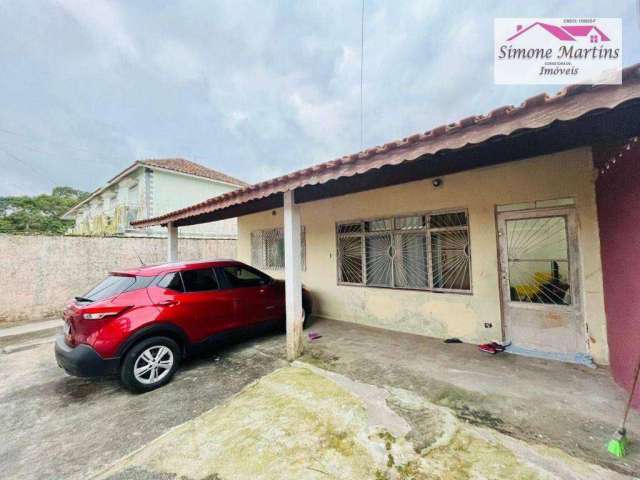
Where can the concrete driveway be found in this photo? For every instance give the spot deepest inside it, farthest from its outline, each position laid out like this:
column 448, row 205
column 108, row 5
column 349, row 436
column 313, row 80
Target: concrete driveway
column 55, row 426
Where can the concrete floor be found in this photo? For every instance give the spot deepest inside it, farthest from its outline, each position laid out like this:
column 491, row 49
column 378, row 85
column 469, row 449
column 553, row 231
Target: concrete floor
column 305, row 423
column 55, row 426
column 571, row 407
column 59, row 427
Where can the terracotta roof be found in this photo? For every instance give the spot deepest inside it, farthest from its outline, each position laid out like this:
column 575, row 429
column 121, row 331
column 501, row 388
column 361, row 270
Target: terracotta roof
column 535, row 112
column 186, row 166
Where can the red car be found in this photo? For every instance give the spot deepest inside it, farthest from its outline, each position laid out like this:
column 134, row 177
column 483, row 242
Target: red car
column 141, row 323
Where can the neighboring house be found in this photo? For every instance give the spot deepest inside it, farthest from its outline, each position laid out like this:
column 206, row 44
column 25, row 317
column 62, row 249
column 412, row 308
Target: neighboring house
column 485, row 229
column 149, row 188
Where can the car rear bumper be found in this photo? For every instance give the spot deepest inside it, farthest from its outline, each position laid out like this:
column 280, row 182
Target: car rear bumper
column 83, row 361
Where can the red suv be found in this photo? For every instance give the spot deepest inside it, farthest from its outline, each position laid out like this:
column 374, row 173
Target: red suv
column 141, row 323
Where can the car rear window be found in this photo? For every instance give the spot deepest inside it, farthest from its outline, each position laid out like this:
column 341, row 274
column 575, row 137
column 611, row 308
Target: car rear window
column 199, row 280
column 109, row 287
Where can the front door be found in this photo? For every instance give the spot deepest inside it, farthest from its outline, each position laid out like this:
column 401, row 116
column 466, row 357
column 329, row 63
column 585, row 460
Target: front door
column 539, row 271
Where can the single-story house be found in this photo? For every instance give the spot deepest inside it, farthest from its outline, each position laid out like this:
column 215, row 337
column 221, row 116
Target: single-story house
column 519, row 225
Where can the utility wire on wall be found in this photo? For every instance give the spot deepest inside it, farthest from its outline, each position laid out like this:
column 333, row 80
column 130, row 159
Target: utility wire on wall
column 362, row 78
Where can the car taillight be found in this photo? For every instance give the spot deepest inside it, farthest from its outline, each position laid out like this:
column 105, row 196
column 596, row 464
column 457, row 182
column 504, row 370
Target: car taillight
column 100, row 313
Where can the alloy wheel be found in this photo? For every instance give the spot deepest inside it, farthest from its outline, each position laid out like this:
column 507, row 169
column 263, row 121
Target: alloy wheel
column 153, row 364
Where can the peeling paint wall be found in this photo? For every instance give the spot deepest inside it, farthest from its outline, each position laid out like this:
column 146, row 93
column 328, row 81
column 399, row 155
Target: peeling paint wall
column 566, row 174
column 43, row 272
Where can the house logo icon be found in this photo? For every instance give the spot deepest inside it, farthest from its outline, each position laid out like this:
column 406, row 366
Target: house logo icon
column 565, row 33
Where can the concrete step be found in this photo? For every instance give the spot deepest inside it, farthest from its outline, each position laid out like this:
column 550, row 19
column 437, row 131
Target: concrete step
column 29, row 332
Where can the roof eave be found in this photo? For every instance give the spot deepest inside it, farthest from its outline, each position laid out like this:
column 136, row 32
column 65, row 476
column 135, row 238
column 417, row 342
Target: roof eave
column 534, row 113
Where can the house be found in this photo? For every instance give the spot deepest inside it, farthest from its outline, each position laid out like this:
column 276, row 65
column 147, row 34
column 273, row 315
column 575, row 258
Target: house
column 564, row 33
column 149, row 188
column 491, row 228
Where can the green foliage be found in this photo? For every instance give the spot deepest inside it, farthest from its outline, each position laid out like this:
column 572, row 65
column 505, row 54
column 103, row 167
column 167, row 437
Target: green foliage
column 39, row 214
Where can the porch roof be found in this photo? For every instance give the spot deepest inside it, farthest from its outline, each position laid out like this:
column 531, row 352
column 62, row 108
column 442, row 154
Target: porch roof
column 579, row 115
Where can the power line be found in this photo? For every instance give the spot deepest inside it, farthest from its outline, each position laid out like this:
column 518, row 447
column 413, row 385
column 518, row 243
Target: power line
column 362, row 78
column 44, row 176
column 29, row 139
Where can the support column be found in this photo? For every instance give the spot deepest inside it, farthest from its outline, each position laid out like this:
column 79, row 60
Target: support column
column 292, row 277
column 172, row 242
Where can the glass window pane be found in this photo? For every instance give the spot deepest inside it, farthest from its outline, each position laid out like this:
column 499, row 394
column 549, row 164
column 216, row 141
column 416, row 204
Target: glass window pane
column 410, row 261
column 378, row 225
column 257, row 249
column 171, row 281
column 410, row 223
column 443, row 220
column 350, row 259
column 538, row 258
column 354, row 227
column 274, row 248
column 450, row 260
column 109, row 287
column 538, row 238
column 378, row 259
column 267, row 248
column 199, row 280
column 239, row 277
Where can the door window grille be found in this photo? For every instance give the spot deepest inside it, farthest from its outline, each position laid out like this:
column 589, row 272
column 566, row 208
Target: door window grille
column 428, row 251
column 538, row 254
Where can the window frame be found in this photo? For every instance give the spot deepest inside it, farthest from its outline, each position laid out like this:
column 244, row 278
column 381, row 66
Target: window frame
column 259, row 259
column 426, row 230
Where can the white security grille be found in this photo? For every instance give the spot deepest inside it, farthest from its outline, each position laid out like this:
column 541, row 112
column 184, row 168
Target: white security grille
column 424, row 251
column 539, row 270
column 267, row 248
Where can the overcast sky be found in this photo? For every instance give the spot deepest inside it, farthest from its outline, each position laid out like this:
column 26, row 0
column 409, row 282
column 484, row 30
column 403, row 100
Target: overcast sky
column 253, row 89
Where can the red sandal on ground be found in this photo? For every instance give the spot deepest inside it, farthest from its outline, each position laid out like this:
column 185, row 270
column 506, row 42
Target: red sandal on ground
column 488, row 348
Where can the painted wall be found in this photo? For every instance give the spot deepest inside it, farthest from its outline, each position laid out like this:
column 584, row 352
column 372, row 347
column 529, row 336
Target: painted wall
column 43, row 272
column 618, row 193
column 171, row 192
column 567, row 174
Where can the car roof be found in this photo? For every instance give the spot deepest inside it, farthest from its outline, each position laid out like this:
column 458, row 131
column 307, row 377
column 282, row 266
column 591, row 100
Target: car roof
column 159, row 268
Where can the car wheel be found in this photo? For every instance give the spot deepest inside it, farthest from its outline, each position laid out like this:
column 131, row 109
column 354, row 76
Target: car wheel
column 150, row 364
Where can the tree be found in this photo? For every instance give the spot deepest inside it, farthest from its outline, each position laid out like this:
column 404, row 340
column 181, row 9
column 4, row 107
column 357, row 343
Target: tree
column 39, row 214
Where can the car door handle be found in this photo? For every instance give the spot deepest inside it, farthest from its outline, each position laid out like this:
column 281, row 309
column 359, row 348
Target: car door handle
column 168, row 303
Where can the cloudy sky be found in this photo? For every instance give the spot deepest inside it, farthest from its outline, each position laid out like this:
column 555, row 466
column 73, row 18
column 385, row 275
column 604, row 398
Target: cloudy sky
column 254, row 89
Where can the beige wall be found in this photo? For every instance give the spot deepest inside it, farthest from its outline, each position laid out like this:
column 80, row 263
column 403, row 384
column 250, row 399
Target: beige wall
column 172, row 191
column 567, row 174
column 41, row 273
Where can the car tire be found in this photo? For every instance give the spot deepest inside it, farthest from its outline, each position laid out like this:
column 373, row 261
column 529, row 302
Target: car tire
column 150, row 364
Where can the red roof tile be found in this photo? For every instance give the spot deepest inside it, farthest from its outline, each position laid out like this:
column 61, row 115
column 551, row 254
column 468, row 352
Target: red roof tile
column 536, row 112
column 186, row 166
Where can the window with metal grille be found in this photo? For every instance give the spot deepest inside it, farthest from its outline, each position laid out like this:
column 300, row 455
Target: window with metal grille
column 427, row 251
column 267, row 248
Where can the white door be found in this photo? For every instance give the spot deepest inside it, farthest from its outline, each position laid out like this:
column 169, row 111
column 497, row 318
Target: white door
column 540, row 280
